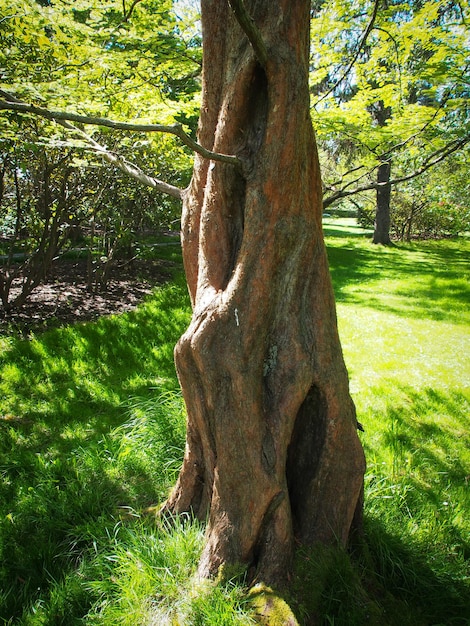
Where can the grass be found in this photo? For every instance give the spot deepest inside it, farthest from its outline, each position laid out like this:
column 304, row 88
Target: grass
column 92, row 434
column 73, row 402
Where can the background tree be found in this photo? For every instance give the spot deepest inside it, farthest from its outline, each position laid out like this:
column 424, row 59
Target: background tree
column 434, row 206
column 98, row 58
column 38, row 191
column 389, row 86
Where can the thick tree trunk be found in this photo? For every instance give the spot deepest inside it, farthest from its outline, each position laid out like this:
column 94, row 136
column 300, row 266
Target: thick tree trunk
column 382, row 214
column 272, row 453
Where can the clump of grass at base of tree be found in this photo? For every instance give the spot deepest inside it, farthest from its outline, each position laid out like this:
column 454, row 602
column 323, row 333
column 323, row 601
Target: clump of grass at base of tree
column 92, row 436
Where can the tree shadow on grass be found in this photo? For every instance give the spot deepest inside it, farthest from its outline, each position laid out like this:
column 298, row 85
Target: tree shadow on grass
column 403, row 582
column 428, row 431
column 431, row 280
column 346, row 229
column 65, row 478
column 411, row 566
column 416, row 507
column 384, row 582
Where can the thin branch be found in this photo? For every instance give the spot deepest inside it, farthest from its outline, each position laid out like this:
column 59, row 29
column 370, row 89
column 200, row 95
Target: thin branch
column 114, row 159
column 11, row 104
column 351, row 171
column 361, row 44
column 435, row 158
column 122, row 164
column 250, row 29
column 343, row 192
column 431, row 161
column 133, row 170
column 127, row 14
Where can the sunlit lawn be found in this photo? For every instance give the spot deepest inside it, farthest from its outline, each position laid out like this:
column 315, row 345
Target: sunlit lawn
column 92, row 432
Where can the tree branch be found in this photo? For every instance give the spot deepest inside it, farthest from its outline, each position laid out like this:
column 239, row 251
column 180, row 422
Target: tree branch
column 431, row 161
column 114, row 159
column 131, row 169
column 362, row 41
column 12, row 104
column 250, row 29
column 128, row 13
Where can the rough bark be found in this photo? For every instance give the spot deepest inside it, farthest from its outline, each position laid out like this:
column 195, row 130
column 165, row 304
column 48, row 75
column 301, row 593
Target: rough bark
column 381, row 115
column 382, row 212
column 272, row 454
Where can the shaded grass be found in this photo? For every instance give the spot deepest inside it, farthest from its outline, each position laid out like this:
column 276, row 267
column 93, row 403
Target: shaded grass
column 67, row 473
column 92, row 437
column 428, row 280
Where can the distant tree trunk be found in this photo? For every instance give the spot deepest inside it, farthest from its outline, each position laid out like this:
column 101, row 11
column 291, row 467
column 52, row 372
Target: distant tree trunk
column 272, row 453
column 382, row 213
column 381, row 114
column 36, row 266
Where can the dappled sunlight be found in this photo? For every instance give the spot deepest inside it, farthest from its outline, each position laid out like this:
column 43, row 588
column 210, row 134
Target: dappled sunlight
column 379, row 346
column 403, row 313
column 423, row 282
column 72, row 402
column 404, row 320
column 416, row 496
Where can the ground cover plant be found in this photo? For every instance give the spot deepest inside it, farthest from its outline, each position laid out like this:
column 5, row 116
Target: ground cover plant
column 91, row 437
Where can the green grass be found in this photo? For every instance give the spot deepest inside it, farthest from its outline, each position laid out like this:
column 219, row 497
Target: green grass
column 404, row 320
column 73, row 402
column 92, row 435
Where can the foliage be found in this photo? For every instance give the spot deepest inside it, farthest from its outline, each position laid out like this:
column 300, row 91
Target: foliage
column 100, row 59
column 91, row 439
column 390, row 85
column 35, row 206
column 55, row 198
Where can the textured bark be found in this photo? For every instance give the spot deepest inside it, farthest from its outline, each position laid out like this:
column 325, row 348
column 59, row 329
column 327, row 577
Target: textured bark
column 382, row 213
column 382, row 115
column 272, row 454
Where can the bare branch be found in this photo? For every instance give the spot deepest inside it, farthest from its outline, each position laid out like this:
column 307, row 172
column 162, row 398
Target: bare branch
column 114, row 159
column 361, row 44
column 12, row 104
column 135, row 172
column 353, row 181
column 250, row 29
column 431, row 161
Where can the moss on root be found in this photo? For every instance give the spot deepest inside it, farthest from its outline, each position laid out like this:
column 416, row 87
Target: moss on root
column 269, row 608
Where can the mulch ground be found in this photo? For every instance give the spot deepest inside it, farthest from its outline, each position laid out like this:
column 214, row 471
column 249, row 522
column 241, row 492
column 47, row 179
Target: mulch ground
column 65, row 297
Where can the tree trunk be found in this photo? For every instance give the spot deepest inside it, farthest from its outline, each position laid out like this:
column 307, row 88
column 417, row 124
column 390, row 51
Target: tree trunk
column 382, row 214
column 381, row 114
column 272, row 453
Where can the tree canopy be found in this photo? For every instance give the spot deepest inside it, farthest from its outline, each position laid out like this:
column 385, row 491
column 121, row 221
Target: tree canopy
column 121, row 61
column 390, row 82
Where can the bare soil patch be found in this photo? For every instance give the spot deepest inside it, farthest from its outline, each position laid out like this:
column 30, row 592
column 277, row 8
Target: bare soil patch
column 64, row 298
